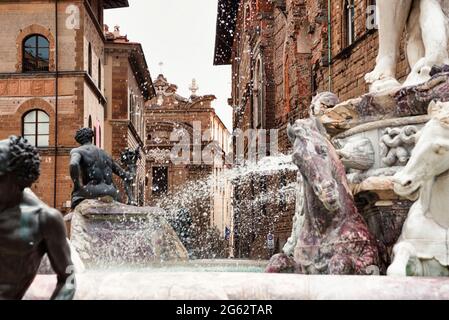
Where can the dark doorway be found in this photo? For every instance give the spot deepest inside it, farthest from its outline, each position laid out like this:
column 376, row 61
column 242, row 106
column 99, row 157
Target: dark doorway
column 160, row 180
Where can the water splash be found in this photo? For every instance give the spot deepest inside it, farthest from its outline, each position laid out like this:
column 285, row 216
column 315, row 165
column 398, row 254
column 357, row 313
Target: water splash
column 189, row 209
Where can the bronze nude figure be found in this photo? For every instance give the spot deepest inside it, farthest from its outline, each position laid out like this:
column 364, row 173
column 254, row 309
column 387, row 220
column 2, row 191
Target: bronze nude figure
column 29, row 229
column 129, row 159
column 91, row 170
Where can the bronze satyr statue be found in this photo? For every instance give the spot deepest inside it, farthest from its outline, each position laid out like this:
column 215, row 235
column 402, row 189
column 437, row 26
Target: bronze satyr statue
column 129, row 159
column 29, row 229
column 91, row 170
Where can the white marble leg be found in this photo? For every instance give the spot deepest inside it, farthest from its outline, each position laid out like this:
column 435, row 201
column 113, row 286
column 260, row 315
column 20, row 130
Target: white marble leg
column 402, row 251
column 435, row 38
column 415, row 44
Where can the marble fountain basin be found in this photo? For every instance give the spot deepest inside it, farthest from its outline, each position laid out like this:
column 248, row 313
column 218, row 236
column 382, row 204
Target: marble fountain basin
column 174, row 284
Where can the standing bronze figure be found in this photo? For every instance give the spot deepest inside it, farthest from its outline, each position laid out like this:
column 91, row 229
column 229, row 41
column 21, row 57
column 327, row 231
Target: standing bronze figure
column 129, row 159
column 29, row 229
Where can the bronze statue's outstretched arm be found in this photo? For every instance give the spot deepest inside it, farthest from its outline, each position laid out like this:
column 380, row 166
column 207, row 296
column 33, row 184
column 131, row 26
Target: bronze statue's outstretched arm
column 75, row 159
column 58, row 250
column 117, row 170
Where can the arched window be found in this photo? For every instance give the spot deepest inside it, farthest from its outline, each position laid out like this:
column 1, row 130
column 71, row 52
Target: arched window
column 89, row 60
column 36, row 53
column 349, row 25
column 36, row 128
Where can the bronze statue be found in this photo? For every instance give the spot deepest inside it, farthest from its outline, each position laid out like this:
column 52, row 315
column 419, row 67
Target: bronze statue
column 129, row 159
column 91, row 170
column 29, row 229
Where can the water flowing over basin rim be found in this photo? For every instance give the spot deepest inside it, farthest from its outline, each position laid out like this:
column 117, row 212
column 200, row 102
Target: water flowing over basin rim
column 243, row 286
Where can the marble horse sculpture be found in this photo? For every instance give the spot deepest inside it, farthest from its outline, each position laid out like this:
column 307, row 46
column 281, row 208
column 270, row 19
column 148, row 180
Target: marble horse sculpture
column 329, row 235
column 423, row 248
column 426, row 23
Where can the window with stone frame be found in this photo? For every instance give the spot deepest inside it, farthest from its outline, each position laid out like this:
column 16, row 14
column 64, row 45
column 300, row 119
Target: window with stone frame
column 348, row 23
column 36, row 54
column 287, row 107
column 133, row 110
column 247, row 16
column 99, row 75
column 258, row 96
column 99, row 136
column 90, row 124
column 89, row 59
column 36, row 128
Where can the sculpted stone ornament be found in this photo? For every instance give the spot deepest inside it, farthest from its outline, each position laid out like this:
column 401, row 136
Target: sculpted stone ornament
column 321, row 102
column 423, row 248
column 29, row 229
column 426, row 22
column 396, row 145
column 129, row 159
column 357, row 154
column 329, row 236
column 91, row 170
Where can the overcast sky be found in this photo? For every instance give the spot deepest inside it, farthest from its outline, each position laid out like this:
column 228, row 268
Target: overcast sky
column 181, row 34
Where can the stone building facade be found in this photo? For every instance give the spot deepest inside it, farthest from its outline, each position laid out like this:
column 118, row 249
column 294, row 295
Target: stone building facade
column 52, row 81
column 128, row 85
column 178, row 132
column 283, row 52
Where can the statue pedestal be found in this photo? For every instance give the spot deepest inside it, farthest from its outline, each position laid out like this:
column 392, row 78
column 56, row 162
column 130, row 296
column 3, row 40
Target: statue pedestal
column 112, row 234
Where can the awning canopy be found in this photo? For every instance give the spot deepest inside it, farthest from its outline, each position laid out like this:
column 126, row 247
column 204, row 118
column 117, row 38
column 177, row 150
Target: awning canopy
column 111, row 4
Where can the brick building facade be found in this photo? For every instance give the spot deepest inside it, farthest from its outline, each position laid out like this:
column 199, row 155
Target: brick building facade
column 188, row 124
column 128, row 85
column 283, row 52
column 51, row 81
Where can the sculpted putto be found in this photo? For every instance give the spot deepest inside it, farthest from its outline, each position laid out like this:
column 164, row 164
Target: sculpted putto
column 426, row 23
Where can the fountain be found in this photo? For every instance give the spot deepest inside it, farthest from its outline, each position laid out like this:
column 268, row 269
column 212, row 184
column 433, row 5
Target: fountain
column 349, row 222
column 230, row 278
